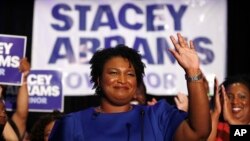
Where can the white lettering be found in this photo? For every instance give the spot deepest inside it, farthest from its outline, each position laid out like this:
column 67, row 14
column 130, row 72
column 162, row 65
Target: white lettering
column 39, row 79
column 237, row 132
column 44, row 91
column 240, row 132
column 37, row 100
column 5, row 47
column 9, row 61
column 2, row 71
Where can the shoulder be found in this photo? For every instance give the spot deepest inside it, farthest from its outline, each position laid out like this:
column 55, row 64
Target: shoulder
column 69, row 124
column 8, row 132
column 163, row 104
column 163, row 109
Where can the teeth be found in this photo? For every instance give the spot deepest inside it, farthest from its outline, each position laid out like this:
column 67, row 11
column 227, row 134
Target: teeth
column 236, row 109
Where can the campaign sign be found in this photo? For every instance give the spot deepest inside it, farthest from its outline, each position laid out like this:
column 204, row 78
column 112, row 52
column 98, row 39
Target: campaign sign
column 75, row 29
column 12, row 49
column 45, row 92
column 239, row 132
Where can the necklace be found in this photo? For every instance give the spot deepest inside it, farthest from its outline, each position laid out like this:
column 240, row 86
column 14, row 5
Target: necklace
column 101, row 110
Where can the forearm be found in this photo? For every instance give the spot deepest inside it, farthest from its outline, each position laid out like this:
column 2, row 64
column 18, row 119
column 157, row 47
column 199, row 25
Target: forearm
column 199, row 114
column 215, row 121
column 21, row 114
column 22, row 101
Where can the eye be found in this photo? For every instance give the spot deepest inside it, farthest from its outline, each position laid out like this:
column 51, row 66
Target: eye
column 242, row 96
column 131, row 73
column 231, row 97
column 112, row 72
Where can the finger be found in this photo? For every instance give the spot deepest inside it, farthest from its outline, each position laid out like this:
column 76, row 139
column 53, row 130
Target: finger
column 182, row 41
column 175, row 53
column 154, row 100
column 181, row 98
column 175, row 43
column 192, row 44
column 176, row 101
column 225, row 98
column 216, row 86
column 185, row 98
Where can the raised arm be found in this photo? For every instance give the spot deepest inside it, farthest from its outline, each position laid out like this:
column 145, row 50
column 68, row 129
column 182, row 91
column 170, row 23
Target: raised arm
column 21, row 114
column 198, row 125
column 215, row 112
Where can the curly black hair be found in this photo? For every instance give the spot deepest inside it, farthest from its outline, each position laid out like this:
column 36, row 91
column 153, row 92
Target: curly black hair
column 239, row 78
column 37, row 131
column 100, row 57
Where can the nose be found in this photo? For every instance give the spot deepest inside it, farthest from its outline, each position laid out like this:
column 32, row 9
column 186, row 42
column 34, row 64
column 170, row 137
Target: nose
column 235, row 100
column 121, row 78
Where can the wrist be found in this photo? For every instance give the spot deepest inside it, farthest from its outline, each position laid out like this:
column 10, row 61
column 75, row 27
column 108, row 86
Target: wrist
column 194, row 77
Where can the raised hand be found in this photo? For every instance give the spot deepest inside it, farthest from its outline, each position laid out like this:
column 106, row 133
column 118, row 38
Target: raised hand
column 217, row 101
column 185, row 55
column 227, row 109
column 152, row 102
column 24, row 67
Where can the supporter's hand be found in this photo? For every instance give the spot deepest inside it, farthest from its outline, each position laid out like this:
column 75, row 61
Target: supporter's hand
column 24, row 67
column 181, row 101
column 217, row 100
column 152, row 102
column 227, row 112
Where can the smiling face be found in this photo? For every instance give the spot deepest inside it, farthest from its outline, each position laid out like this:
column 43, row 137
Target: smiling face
column 118, row 81
column 239, row 96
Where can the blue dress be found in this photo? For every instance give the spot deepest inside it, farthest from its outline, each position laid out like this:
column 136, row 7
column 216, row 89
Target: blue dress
column 142, row 123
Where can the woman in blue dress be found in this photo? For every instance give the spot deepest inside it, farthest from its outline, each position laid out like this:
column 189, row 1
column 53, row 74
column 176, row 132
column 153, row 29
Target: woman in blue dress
column 116, row 73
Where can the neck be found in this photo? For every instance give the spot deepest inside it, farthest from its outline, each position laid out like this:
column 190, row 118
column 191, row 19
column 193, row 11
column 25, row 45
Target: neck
column 114, row 109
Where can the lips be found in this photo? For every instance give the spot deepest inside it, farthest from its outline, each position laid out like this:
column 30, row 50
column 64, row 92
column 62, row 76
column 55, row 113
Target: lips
column 236, row 112
column 120, row 87
column 236, row 109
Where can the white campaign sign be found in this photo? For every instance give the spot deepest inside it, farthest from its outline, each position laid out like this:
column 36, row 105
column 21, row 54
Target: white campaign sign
column 67, row 33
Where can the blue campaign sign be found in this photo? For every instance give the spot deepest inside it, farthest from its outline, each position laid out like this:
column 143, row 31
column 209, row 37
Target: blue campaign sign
column 45, row 91
column 12, row 49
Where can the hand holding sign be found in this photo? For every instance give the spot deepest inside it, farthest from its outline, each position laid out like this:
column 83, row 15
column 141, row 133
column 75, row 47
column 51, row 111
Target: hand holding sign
column 24, row 68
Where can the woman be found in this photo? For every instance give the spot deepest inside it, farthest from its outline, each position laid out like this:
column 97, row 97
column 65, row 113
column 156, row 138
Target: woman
column 116, row 74
column 43, row 126
column 233, row 105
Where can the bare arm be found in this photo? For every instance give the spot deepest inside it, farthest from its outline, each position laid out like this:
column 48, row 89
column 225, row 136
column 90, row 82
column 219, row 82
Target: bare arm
column 215, row 113
column 195, row 128
column 21, row 114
